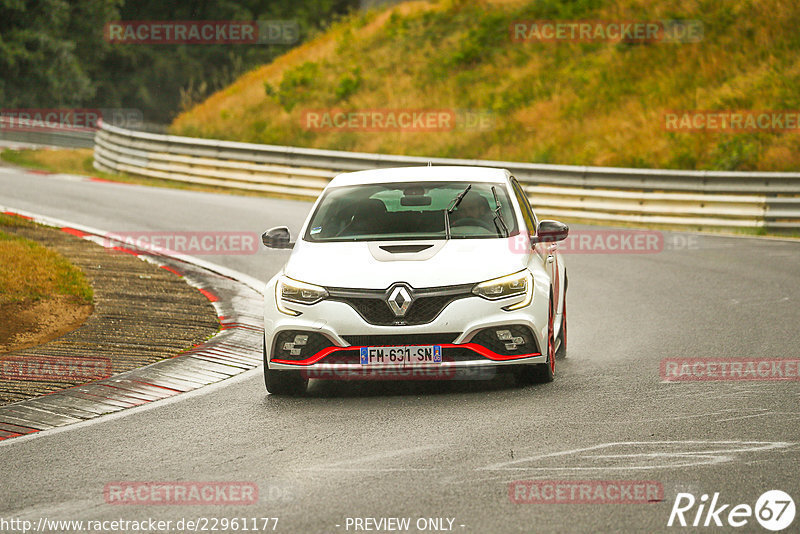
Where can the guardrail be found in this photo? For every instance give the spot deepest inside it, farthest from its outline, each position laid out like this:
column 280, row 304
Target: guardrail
column 693, row 199
column 62, row 137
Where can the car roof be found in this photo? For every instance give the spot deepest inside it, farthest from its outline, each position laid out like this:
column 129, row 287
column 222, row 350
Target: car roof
column 422, row 174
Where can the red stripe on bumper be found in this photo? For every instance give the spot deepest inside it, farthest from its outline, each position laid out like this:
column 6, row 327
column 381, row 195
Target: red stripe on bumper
column 479, row 349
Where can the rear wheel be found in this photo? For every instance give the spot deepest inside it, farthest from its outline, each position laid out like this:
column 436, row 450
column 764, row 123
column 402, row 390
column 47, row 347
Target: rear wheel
column 283, row 382
column 542, row 372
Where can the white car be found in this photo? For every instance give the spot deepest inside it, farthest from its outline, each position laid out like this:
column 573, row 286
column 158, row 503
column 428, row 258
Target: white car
column 413, row 272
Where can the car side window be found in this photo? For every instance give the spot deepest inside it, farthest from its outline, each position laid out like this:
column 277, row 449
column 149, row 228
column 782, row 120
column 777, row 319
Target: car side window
column 527, row 212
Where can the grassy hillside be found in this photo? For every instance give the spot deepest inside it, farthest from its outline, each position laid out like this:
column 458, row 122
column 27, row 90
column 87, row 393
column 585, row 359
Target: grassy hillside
column 598, row 103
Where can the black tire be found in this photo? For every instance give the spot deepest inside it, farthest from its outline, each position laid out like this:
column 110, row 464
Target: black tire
column 543, row 372
column 290, row 383
column 561, row 353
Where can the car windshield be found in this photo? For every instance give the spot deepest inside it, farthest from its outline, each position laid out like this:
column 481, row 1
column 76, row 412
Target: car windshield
column 410, row 210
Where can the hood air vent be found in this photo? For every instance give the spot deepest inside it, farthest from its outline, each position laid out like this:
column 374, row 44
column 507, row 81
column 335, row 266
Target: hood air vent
column 404, row 249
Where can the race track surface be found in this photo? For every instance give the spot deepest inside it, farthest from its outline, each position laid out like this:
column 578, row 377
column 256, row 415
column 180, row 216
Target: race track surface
column 450, row 449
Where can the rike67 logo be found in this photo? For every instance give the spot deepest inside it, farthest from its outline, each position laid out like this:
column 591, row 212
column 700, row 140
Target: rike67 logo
column 774, row 510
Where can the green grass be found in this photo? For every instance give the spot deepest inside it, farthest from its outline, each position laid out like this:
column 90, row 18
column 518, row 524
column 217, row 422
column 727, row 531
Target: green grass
column 598, row 103
column 69, row 161
column 12, row 221
column 30, row 272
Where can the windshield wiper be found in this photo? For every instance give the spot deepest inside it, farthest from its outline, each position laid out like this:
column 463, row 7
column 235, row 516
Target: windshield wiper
column 453, row 205
column 498, row 216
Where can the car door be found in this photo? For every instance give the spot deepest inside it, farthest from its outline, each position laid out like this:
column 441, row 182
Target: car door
column 546, row 252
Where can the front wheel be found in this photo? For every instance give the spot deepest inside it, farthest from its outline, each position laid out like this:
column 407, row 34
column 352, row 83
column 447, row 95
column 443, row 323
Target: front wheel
column 541, row 373
column 283, row 382
column 561, row 353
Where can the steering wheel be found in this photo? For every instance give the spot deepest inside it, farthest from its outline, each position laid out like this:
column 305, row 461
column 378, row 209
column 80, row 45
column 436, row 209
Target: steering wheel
column 470, row 221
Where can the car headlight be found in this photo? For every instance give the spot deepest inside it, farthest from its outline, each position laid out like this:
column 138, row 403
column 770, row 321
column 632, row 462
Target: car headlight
column 288, row 290
column 513, row 285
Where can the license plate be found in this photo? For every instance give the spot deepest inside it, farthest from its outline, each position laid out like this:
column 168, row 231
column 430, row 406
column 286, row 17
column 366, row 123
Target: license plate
column 404, row 355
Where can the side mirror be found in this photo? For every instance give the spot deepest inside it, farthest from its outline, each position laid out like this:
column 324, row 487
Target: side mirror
column 277, row 237
column 550, row 232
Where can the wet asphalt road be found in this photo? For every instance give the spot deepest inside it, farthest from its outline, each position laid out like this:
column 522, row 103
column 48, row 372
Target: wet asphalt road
column 450, row 450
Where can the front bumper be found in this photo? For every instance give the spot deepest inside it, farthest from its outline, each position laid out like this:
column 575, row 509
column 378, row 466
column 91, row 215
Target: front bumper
column 336, row 332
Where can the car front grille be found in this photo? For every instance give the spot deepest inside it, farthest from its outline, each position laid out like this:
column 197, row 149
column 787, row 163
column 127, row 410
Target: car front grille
column 401, row 339
column 427, row 304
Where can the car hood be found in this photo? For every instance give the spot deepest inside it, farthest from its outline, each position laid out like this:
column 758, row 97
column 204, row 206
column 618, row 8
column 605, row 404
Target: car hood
column 377, row 265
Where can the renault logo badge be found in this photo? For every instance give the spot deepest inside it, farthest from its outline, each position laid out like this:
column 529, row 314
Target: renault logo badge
column 399, row 300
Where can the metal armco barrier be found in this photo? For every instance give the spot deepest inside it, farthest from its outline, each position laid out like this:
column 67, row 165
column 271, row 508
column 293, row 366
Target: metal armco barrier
column 694, row 199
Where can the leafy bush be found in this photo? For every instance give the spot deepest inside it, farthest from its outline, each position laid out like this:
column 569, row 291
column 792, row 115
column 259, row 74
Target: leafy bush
column 737, row 153
column 295, row 83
